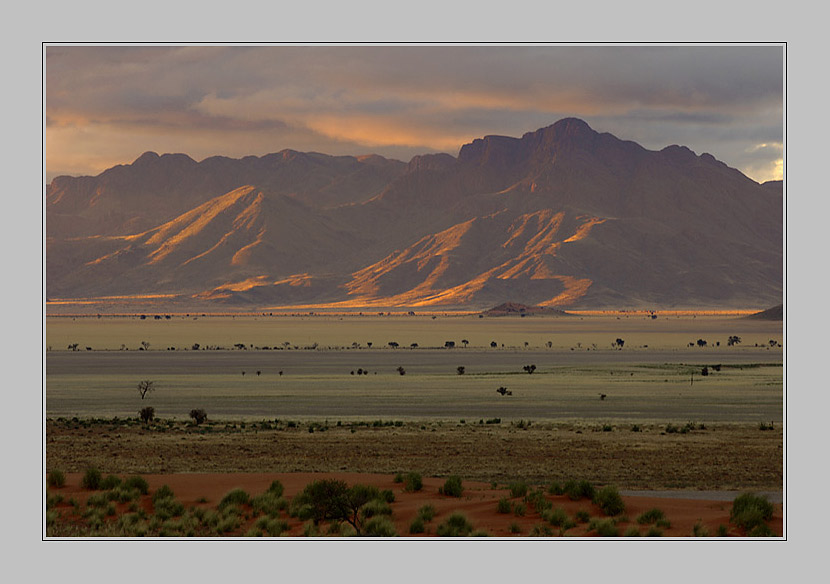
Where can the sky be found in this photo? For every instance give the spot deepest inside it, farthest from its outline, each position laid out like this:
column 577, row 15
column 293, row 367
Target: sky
column 108, row 104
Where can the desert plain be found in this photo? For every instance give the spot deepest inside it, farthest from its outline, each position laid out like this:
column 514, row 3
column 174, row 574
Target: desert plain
column 676, row 410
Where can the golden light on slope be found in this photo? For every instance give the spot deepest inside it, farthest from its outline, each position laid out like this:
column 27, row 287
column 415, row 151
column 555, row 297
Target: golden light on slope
column 534, row 240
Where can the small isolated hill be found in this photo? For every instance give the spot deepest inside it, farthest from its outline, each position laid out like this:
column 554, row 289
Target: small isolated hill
column 514, row 309
column 774, row 313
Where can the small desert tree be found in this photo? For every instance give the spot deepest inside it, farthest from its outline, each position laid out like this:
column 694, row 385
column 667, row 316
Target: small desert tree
column 199, row 415
column 145, row 386
column 733, row 340
column 460, row 369
column 147, row 414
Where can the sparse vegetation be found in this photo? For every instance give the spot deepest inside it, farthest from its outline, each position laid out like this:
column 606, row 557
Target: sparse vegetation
column 56, row 479
column 609, row 500
column 456, row 525
column 452, row 487
column 750, row 511
column 92, row 479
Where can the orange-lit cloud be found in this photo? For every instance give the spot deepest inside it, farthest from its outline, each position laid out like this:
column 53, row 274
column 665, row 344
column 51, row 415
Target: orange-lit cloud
column 107, row 105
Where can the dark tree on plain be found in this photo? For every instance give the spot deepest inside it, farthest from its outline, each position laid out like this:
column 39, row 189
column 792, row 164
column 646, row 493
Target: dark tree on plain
column 145, row 386
column 460, row 369
column 199, row 415
column 147, row 414
column 401, row 370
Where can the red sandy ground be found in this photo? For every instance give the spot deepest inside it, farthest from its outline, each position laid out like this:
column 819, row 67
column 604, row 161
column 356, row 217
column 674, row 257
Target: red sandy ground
column 478, row 503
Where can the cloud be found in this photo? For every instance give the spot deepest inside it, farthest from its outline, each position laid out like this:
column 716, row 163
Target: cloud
column 402, row 99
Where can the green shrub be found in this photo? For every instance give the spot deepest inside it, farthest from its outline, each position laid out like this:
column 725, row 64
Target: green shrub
column 540, row 531
column 722, row 530
column 110, row 482
column 503, row 506
column 375, row 507
column 123, row 494
column 398, row 478
column 538, row 501
column 651, row 516
column 558, row 517
column 92, row 479
column 53, row 500
column 163, row 492
column 272, row 527
column 97, row 500
column 555, row 489
column 576, row 490
column 417, row 525
column 235, row 497
column 654, row 531
column 427, row 513
column 518, row 489
column 56, row 479
column 514, row 528
column 456, row 525
column 386, row 495
column 700, row 530
column 379, row 526
column 413, row 482
column 168, row 507
column 604, row 528
column 631, row 531
column 761, row 530
column 609, row 500
column 452, row 487
column 750, row 510
column 268, row 503
column 138, row 483
column 583, row 516
column 276, row 488
column 519, row 509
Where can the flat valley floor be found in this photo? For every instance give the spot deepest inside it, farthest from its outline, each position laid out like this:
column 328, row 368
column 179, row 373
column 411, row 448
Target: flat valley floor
column 291, row 395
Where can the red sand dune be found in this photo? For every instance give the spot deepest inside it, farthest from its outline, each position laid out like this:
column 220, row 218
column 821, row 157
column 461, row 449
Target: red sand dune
column 478, row 503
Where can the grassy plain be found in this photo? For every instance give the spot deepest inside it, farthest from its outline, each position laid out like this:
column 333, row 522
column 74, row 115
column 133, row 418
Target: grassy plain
column 655, row 377
column 301, row 407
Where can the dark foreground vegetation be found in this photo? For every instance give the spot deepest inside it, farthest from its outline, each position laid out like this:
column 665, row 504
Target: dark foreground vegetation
column 125, row 506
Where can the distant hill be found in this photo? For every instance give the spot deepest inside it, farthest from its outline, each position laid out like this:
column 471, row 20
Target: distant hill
column 562, row 217
column 774, row 313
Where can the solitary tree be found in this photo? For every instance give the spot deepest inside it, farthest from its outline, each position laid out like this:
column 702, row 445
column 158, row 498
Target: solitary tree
column 465, row 342
column 618, row 343
column 529, row 368
column 145, row 386
column 401, row 370
column 145, row 345
column 701, row 343
column 733, row 340
column 493, row 344
column 147, row 414
column 449, row 344
column 460, row 369
column 198, row 415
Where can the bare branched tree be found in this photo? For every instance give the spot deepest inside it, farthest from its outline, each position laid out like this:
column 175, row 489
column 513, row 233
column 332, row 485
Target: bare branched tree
column 145, row 386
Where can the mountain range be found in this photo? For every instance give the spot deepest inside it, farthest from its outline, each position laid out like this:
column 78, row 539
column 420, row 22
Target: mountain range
column 562, row 217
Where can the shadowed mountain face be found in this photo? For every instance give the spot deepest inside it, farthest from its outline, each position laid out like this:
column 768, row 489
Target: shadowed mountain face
column 562, row 217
